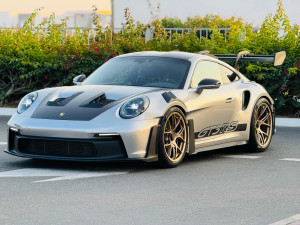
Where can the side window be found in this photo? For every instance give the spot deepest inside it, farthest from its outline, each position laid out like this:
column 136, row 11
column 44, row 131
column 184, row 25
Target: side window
column 206, row 69
column 227, row 72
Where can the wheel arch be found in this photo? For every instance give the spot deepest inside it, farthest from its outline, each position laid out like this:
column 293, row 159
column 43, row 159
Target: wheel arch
column 268, row 98
column 271, row 102
column 181, row 108
column 189, row 124
column 264, row 95
column 262, row 99
column 162, row 156
column 178, row 104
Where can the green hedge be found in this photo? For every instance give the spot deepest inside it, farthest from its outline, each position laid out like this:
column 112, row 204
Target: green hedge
column 34, row 57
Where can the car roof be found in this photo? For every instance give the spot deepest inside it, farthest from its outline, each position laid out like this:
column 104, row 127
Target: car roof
column 172, row 54
column 193, row 57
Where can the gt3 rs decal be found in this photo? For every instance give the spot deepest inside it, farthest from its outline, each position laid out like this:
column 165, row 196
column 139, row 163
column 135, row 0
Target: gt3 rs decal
column 220, row 129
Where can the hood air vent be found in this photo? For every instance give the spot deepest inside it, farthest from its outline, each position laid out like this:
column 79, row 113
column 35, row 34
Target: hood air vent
column 62, row 100
column 98, row 102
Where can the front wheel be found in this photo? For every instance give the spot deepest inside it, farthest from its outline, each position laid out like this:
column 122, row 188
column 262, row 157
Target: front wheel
column 173, row 138
column 261, row 129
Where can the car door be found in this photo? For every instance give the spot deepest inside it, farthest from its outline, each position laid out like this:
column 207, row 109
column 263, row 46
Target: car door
column 212, row 110
column 238, row 91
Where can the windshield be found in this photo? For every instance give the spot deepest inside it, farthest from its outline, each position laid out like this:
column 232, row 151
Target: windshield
column 142, row 71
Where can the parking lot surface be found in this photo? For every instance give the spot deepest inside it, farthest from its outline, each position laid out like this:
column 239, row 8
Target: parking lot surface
column 228, row 186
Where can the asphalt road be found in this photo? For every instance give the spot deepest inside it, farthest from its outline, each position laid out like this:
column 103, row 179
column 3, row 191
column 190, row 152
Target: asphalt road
column 229, row 186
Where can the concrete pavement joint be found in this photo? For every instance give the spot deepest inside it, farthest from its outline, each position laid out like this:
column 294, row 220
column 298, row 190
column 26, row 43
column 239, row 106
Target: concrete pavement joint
column 82, row 175
column 291, row 159
column 59, row 174
column 239, row 156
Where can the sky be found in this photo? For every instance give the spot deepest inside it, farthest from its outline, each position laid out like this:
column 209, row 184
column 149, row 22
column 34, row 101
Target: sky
column 253, row 11
column 57, row 6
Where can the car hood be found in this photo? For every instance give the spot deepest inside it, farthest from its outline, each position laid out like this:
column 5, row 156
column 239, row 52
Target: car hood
column 85, row 102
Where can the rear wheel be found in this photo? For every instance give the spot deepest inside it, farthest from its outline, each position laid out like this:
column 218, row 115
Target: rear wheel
column 261, row 129
column 173, row 139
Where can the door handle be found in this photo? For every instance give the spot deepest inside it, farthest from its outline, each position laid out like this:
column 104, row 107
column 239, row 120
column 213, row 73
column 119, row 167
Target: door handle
column 229, row 100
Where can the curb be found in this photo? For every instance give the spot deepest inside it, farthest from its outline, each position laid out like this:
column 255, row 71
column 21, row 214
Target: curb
column 287, row 122
column 7, row 111
column 279, row 122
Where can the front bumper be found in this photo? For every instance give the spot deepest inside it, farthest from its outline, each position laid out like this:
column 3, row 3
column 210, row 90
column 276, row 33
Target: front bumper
column 97, row 149
column 37, row 139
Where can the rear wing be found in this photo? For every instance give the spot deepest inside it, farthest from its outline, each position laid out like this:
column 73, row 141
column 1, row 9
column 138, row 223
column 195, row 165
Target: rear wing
column 243, row 56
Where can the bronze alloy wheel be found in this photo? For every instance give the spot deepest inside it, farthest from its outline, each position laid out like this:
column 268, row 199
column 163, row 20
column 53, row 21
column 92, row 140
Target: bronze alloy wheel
column 174, row 136
column 263, row 124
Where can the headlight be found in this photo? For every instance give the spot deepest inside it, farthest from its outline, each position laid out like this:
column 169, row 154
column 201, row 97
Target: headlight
column 27, row 101
column 134, row 107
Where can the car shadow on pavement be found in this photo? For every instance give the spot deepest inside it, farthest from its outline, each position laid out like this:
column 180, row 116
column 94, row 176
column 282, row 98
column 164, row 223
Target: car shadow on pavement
column 236, row 150
column 122, row 165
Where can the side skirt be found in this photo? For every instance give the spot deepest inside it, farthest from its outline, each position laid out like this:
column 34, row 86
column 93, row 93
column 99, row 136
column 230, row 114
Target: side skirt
column 225, row 145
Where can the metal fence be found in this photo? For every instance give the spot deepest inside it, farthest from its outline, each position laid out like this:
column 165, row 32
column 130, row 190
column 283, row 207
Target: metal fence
column 200, row 32
column 148, row 33
column 93, row 34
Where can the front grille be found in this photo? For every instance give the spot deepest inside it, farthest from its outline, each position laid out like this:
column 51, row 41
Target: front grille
column 56, row 147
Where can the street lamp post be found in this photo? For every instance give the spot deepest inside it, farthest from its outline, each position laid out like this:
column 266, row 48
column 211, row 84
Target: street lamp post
column 112, row 13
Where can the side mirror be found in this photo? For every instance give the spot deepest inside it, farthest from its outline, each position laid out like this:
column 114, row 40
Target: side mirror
column 207, row 83
column 78, row 79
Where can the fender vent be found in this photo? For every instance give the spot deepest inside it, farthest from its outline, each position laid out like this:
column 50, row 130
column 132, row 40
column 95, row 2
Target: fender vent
column 246, row 99
column 169, row 96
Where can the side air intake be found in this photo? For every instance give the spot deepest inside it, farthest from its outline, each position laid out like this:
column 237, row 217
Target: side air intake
column 246, row 99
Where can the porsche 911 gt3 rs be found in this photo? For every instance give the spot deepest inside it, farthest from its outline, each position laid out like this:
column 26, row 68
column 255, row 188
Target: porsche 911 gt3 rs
column 147, row 106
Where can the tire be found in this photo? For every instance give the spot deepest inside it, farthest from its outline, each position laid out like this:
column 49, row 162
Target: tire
column 261, row 129
column 173, row 138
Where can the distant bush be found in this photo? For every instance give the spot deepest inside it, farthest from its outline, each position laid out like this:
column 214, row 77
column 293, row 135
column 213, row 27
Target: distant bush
column 46, row 55
column 201, row 22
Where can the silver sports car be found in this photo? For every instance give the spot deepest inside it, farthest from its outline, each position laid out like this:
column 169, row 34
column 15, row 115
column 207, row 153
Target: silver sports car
column 147, row 106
